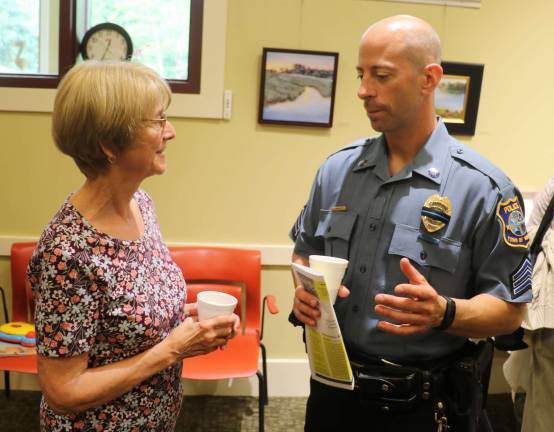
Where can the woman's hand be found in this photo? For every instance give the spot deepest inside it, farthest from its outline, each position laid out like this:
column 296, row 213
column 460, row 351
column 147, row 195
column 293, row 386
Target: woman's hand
column 194, row 337
column 191, row 309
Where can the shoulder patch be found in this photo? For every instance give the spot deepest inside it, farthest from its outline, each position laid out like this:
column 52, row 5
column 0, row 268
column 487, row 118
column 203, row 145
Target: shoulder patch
column 521, row 278
column 510, row 215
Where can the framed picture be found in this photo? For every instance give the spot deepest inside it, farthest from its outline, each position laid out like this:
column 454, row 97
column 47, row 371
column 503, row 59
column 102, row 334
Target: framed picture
column 298, row 87
column 457, row 96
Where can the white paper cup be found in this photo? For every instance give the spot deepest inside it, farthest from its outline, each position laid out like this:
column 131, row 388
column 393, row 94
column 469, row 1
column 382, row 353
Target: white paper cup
column 214, row 303
column 333, row 271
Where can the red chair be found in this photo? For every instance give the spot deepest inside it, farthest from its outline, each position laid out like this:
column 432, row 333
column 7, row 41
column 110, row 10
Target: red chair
column 22, row 310
column 237, row 272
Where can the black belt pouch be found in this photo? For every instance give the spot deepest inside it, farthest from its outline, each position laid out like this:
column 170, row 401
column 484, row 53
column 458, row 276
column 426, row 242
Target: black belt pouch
column 390, row 388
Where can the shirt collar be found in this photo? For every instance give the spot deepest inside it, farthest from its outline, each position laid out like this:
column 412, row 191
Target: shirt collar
column 429, row 161
column 375, row 153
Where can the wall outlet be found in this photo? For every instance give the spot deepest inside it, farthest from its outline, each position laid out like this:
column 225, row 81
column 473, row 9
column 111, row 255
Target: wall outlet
column 227, row 104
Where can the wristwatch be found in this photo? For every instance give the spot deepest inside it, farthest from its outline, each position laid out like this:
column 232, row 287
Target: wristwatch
column 449, row 313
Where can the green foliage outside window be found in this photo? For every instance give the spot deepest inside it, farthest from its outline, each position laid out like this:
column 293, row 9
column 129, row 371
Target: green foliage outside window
column 19, row 36
column 159, row 31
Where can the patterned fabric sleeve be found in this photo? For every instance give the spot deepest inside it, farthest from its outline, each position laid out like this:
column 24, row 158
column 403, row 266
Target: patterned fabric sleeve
column 68, row 302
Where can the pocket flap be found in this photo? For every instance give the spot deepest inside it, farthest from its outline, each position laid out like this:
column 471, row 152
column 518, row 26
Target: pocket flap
column 407, row 242
column 336, row 224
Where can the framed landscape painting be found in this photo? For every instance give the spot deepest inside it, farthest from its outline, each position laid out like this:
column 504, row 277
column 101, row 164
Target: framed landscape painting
column 297, row 87
column 457, row 96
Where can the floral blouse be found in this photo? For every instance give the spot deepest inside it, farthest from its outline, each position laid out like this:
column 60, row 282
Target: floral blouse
column 111, row 299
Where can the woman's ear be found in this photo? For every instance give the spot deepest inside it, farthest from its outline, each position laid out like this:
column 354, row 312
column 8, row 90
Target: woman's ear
column 433, row 75
column 110, row 155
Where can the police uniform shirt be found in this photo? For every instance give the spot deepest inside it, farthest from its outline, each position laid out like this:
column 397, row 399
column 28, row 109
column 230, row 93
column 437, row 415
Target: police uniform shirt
column 357, row 211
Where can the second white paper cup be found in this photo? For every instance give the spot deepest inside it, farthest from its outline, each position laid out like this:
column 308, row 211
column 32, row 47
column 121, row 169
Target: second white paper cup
column 333, row 271
column 214, row 303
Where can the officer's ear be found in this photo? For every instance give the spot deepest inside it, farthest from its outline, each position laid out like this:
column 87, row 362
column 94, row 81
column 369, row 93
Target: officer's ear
column 432, row 75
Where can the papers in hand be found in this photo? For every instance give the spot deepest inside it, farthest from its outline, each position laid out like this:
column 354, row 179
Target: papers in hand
column 329, row 362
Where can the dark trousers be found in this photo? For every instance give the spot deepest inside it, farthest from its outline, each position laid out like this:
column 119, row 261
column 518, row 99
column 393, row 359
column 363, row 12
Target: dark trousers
column 337, row 410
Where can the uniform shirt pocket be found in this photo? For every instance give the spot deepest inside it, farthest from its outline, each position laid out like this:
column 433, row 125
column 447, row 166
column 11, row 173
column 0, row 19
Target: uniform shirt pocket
column 443, row 255
column 336, row 229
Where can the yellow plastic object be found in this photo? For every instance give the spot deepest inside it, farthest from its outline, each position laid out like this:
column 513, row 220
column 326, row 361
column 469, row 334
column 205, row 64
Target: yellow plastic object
column 18, row 332
column 17, row 328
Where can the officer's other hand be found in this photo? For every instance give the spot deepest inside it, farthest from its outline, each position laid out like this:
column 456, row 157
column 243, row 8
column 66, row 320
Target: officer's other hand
column 415, row 308
column 306, row 306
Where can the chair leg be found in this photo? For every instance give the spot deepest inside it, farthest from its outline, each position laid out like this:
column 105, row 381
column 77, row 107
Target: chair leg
column 261, row 403
column 7, row 384
column 264, row 369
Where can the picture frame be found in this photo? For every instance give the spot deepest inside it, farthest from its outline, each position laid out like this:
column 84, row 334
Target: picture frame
column 297, row 87
column 457, row 96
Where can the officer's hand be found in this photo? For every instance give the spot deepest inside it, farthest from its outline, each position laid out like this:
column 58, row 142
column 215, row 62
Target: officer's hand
column 343, row 291
column 416, row 307
column 306, row 305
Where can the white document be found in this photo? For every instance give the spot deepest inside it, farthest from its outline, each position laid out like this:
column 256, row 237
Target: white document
column 329, row 362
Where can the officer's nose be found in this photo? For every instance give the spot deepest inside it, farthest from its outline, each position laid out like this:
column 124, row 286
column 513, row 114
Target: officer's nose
column 365, row 89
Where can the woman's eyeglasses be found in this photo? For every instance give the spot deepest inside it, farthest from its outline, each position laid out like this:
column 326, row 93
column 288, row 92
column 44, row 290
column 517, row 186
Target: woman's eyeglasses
column 160, row 122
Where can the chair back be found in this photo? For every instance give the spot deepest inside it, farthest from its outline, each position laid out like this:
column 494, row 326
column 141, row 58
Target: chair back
column 22, row 297
column 224, row 266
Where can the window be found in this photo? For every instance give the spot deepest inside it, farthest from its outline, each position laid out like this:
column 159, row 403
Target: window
column 35, row 92
column 166, row 35
column 20, row 42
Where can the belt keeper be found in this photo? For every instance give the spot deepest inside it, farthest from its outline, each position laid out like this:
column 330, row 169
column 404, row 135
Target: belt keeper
column 449, row 314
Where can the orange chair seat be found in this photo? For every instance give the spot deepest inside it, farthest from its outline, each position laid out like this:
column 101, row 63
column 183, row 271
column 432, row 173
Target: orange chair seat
column 239, row 359
column 23, row 364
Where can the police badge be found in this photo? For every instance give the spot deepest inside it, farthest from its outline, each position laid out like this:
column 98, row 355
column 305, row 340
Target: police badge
column 510, row 215
column 436, row 213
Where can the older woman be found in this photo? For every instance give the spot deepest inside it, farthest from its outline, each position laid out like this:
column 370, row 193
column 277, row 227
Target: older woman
column 110, row 302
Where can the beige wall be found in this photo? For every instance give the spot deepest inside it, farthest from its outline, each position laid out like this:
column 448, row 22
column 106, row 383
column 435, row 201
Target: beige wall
column 240, row 182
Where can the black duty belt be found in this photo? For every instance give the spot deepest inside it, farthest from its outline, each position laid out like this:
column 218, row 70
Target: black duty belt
column 452, row 388
column 392, row 387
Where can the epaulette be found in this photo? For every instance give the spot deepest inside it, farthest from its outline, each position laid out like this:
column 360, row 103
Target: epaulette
column 480, row 163
column 358, row 143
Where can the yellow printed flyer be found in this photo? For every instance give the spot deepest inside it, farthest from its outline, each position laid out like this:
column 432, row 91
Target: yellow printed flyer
column 327, row 355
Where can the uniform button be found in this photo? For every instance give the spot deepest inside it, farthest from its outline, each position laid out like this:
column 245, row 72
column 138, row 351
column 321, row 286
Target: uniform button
column 355, row 308
column 385, row 408
column 460, row 151
column 425, row 395
column 423, row 255
column 385, row 388
column 372, row 227
column 362, row 269
column 426, row 385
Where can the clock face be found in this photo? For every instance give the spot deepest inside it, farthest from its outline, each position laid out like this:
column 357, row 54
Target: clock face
column 106, row 42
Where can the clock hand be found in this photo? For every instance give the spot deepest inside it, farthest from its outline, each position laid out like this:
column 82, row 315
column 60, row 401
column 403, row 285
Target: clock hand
column 107, row 48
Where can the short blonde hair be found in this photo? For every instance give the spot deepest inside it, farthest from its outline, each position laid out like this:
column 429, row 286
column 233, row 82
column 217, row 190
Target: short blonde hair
column 104, row 104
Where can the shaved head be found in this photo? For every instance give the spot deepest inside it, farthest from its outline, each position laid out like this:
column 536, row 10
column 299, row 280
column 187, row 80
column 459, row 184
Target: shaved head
column 412, row 36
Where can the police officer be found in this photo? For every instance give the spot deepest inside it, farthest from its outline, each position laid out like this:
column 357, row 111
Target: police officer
column 434, row 234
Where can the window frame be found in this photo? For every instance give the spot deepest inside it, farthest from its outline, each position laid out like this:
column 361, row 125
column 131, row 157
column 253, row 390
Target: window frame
column 69, row 50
